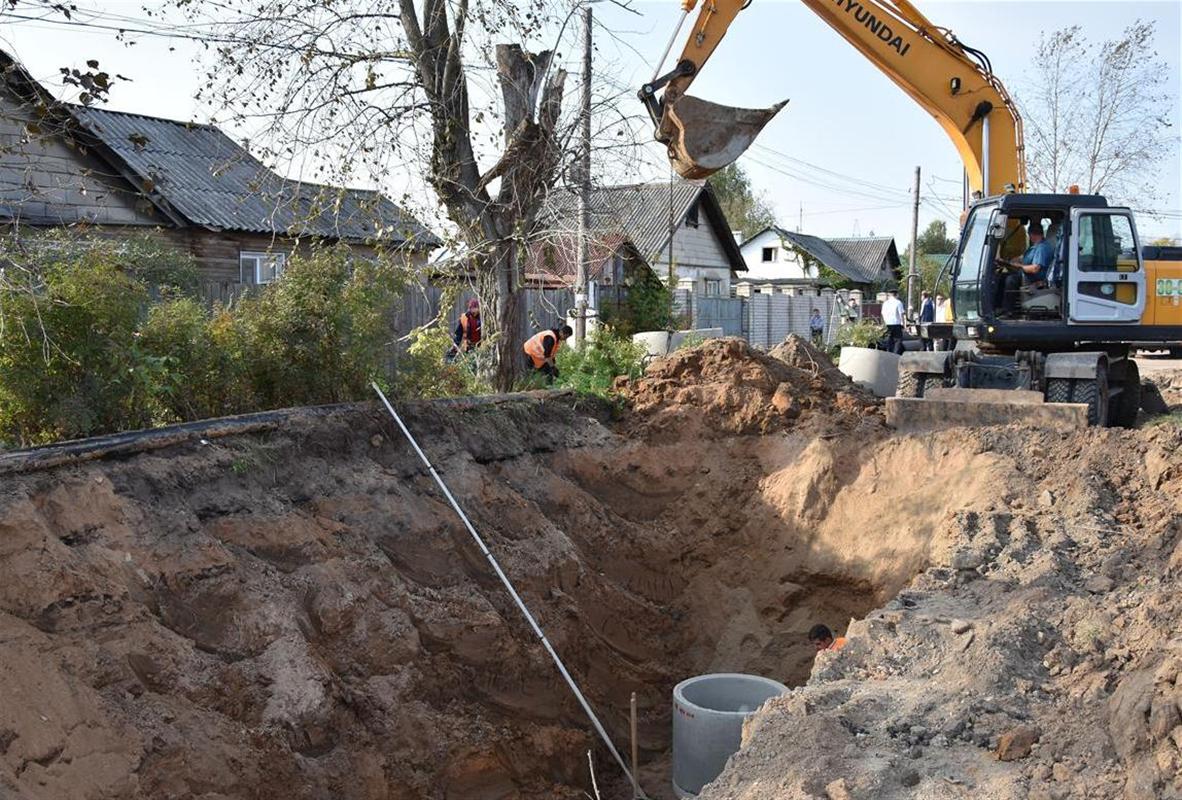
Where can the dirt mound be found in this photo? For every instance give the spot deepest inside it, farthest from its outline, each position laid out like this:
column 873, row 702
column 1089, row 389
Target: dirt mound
column 1038, row 656
column 726, row 386
column 1168, row 383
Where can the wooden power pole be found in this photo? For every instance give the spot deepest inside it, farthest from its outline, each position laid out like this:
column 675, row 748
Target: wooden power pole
column 584, row 186
column 913, row 273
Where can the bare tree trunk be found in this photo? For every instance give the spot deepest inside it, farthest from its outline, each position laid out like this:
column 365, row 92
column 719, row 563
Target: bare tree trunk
column 508, row 310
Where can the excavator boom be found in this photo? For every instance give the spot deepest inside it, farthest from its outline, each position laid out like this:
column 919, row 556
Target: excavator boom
column 951, row 81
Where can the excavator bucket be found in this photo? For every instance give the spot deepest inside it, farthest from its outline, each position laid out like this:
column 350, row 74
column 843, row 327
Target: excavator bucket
column 704, row 137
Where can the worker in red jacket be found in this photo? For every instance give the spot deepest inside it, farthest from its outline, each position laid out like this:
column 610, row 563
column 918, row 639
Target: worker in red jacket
column 466, row 336
column 541, row 348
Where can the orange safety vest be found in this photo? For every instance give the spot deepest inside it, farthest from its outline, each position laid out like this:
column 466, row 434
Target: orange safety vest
column 471, row 336
column 838, row 643
column 535, row 347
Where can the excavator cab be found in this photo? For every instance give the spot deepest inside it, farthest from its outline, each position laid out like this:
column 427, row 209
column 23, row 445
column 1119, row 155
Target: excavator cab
column 1039, row 356
column 1095, row 275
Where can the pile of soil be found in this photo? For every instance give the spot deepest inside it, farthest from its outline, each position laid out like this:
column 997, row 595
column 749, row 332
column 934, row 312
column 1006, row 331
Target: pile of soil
column 1037, row 656
column 727, row 387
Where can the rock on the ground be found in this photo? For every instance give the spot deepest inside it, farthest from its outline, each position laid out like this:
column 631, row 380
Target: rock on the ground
column 1016, row 743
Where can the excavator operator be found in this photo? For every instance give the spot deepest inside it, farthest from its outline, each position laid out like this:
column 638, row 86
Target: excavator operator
column 1030, row 269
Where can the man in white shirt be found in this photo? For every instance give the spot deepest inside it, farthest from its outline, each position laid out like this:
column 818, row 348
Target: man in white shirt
column 892, row 317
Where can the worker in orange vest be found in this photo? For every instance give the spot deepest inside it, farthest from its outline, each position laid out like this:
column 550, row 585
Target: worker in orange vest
column 467, row 333
column 823, row 638
column 541, row 348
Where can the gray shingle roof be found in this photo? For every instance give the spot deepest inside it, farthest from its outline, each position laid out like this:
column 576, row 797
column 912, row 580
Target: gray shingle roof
column 868, row 252
column 859, row 259
column 212, row 181
column 639, row 213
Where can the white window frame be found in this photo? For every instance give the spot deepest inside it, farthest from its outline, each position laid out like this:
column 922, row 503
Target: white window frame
column 716, row 285
column 765, row 252
column 256, row 259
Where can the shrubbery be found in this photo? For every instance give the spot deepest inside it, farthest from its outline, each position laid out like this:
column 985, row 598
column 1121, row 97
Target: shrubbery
column 604, row 356
column 863, row 333
column 426, row 371
column 98, row 336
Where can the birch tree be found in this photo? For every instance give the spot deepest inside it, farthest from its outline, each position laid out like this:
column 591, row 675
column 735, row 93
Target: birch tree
column 1098, row 114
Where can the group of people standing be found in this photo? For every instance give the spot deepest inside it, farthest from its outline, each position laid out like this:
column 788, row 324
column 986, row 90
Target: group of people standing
column 541, row 349
column 894, row 317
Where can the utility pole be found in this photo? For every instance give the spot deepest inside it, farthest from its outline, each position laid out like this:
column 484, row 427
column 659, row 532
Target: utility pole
column 584, row 187
column 913, row 273
column 800, row 223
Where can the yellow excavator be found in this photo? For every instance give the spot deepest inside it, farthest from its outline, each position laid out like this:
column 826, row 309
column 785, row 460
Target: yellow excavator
column 1051, row 346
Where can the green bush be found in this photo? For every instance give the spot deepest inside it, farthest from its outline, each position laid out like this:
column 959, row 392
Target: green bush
column 70, row 364
column 647, row 307
column 604, row 356
column 101, row 336
column 426, row 371
column 202, row 370
column 322, row 332
column 863, row 333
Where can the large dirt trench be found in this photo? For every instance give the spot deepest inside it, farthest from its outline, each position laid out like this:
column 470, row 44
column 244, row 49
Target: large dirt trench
column 299, row 614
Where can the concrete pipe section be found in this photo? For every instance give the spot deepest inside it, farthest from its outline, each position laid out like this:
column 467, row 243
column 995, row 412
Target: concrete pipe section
column 708, row 715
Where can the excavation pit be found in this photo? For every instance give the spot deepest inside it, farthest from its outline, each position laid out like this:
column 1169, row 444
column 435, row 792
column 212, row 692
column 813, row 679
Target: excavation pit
column 297, row 607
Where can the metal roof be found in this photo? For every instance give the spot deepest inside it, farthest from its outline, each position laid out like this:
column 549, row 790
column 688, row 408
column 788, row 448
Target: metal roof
column 640, row 213
column 868, row 253
column 212, row 181
column 859, row 259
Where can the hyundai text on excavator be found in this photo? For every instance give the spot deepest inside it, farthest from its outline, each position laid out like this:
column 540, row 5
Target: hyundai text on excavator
column 1054, row 351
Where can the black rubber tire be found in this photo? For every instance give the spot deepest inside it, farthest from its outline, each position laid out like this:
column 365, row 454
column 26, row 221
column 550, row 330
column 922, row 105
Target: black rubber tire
column 1093, row 392
column 1175, row 352
column 910, row 385
column 1058, row 390
column 1124, row 411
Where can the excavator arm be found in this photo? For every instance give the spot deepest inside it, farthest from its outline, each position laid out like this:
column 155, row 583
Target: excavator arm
column 951, row 81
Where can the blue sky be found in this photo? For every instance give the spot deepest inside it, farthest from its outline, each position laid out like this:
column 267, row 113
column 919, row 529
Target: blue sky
column 844, row 149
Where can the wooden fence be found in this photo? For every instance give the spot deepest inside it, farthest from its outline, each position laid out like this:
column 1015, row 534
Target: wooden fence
column 544, row 308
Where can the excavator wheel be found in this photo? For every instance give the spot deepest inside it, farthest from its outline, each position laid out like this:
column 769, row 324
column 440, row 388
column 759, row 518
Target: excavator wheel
column 1094, row 393
column 911, row 384
column 1058, row 390
column 1123, row 411
column 1091, row 391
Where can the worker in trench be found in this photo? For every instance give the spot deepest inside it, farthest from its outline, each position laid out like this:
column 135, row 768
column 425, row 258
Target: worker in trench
column 822, row 638
column 541, row 349
column 466, row 336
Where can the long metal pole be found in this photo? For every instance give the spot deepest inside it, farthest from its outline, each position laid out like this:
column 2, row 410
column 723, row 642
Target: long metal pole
column 584, row 186
column 985, row 157
column 636, row 793
column 913, row 272
column 508, row 586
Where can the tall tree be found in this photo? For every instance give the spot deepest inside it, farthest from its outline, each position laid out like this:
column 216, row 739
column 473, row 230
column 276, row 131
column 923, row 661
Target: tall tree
column 931, row 245
column 1098, row 114
column 373, row 89
column 746, row 210
column 934, row 239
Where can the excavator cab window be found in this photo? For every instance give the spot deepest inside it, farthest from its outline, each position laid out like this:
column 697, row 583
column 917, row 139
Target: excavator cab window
column 971, row 279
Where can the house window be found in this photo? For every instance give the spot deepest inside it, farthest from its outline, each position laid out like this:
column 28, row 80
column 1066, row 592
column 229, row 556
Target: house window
column 713, row 287
column 257, row 267
column 769, row 255
column 691, row 216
